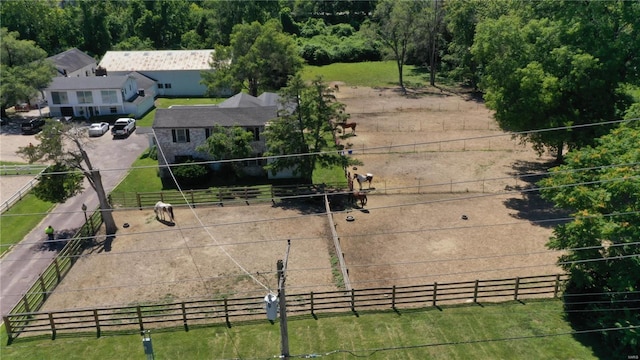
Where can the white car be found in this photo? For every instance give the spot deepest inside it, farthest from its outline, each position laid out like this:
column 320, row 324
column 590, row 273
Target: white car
column 123, row 127
column 98, row 129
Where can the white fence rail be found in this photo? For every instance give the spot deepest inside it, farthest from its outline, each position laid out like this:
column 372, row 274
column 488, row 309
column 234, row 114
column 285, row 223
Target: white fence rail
column 18, row 195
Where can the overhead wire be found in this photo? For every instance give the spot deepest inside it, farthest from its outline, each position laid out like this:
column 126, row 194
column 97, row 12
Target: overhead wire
column 367, row 149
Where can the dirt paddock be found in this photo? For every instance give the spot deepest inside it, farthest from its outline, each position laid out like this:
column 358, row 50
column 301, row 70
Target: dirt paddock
column 435, row 157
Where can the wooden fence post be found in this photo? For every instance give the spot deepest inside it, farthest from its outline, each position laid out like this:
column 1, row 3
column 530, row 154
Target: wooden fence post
column 97, row 320
column 556, row 286
column 53, row 326
column 43, row 288
column 139, row 311
column 57, row 266
column 7, row 327
column 353, row 300
column 515, row 295
column 139, row 201
column 393, row 297
column 312, row 313
column 475, row 292
column 435, row 292
column 27, row 308
column 226, row 313
column 184, row 317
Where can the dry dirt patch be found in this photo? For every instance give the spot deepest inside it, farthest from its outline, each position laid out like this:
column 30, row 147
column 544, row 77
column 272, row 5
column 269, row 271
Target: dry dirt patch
column 453, row 162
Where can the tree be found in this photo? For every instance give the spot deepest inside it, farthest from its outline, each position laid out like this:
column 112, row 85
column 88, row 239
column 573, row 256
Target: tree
column 227, row 143
column 542, row 69
column 23, row 70
column 260, row 57
column 304, row 127
column 395, row 24
column 54, row 140
column 601, row 185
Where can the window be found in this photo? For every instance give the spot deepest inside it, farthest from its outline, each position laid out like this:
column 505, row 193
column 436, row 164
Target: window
column 180, row 135
column 109, row 97
column 167, row 86
column 160, row 86
column 113, row 110
column 207, row 132
column 84, row 97
column 59, row 97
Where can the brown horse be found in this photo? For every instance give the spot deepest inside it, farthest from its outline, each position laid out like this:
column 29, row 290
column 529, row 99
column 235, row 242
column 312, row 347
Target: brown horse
column 346, row 125
column 360, row 196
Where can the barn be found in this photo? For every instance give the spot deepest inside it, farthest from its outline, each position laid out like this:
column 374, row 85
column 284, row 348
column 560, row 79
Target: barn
column 176, row 72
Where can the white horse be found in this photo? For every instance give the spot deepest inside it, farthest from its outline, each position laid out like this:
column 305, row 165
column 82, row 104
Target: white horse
column 363, row 178
column 162, row 208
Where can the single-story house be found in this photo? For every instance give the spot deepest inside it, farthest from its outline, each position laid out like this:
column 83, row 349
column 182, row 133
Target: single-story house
column 179, row 130
column 133, row 93
column 177, row 72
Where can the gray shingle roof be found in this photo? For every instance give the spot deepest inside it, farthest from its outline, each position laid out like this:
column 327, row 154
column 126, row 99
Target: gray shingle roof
column 71, row 60
column 208, row 116
column 87, row 83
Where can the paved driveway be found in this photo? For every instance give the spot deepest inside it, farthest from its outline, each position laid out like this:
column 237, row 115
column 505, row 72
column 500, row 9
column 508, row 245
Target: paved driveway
column 20, row 268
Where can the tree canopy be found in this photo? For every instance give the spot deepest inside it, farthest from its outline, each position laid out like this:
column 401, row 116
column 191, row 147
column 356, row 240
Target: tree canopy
column 544, row 66
column 63, row 145
column 601, row 185
column 260, row 58
column 304, row 127
column 227, row 143
column 23, row 70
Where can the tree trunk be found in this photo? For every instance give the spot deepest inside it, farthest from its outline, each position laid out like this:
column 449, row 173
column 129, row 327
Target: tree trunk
column 95, row 179
column 559, row 154
column 105, row 207
column 434, row 47
column 400, row 79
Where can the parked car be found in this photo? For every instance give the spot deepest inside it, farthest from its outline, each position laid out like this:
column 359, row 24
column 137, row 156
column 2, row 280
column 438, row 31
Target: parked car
column 32, row 126
column 98, row 129
column 123, row 127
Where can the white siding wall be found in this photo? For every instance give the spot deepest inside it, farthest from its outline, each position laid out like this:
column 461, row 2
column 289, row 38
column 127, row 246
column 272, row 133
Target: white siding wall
column 86, row 71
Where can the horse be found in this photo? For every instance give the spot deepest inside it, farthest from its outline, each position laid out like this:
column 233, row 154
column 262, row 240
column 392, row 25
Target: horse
column 162, row 208
column 363, row 178
column 361, row 196
column 346, row 125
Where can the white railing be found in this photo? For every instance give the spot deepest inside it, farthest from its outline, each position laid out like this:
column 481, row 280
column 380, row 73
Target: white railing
column 17, row 196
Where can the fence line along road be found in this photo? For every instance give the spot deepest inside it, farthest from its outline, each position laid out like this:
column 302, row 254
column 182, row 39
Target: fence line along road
column 24, row 190
column 223, row 310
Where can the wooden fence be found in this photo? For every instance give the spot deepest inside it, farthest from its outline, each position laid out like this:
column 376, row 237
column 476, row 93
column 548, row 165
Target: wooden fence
column 225, row 310
column 36, row 171
column 59, row 267
column 220, row 196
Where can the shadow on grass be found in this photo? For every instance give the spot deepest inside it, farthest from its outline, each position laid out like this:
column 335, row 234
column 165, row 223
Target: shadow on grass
column 531, row 206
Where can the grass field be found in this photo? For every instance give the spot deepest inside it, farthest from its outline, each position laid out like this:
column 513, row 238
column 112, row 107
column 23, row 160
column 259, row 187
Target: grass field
column 15, row 226
column 492, row 331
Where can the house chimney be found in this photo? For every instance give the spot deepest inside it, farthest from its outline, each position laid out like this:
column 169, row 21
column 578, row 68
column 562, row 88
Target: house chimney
column 100, row 71
column 141, row 92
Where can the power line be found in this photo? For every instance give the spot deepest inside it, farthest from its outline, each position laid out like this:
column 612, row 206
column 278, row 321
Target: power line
column 368, row 149
column 370, row 352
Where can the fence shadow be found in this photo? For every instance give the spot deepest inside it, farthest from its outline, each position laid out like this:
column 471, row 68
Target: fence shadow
column 531, row 206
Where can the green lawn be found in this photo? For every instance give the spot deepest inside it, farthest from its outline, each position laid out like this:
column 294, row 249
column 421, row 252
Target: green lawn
column 14, row 226
column 373, row 74
column 142, row 177
column 490, row 331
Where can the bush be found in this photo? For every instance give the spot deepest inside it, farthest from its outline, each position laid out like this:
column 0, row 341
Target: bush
column 191, row 175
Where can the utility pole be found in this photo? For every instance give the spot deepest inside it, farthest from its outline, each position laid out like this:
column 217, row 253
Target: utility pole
column 282, row 301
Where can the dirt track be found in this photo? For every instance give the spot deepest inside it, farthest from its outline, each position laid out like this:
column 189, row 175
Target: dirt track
column 412, row 231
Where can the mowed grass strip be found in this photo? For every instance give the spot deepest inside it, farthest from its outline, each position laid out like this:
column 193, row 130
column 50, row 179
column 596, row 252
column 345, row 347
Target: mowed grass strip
column 17, row 222
column 463, row 332
column 372, row 74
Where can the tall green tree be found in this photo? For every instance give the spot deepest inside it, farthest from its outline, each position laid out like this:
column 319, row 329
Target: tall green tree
column 228, row 143
column 542, row 71
column 64, row 145
column 23, row 70
column 304, row 127
column 396, row 24
column 601, row 185
column 260, row 58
